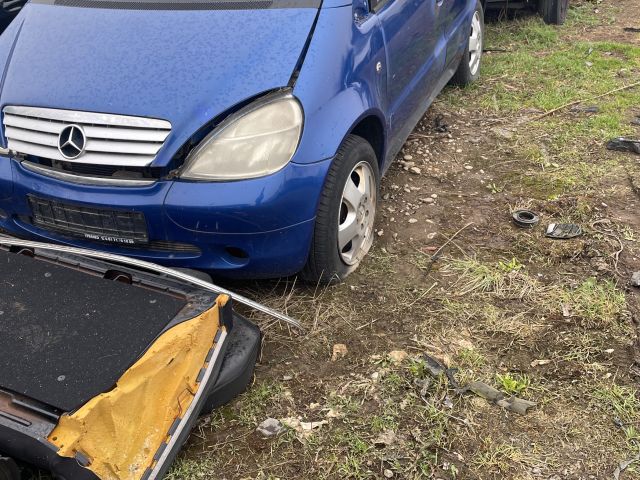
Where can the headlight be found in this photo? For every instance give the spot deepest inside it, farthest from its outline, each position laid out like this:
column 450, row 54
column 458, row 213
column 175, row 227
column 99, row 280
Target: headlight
column 259, row 140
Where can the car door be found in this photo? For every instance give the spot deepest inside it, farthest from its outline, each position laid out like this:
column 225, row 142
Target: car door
column 414, row 39
column 456, row 25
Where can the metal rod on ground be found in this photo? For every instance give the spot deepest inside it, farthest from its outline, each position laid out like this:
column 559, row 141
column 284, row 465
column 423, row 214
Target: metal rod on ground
column 10, row 241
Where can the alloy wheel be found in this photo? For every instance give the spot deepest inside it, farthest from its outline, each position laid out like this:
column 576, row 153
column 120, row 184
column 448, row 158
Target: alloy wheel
column 475, row 43
column 357, row 214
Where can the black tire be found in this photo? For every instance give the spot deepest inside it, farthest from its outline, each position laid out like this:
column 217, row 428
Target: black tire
column 8, row 469
column 554, row 12
column 325, row 264
column 464, row 74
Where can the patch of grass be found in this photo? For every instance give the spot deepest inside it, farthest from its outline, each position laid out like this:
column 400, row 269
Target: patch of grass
column 496, row 458
column 471, row 358
column 513, row 384
column 581, row 346
column 623, row 401
column 187, row 468
column 597, row 303
column 256, row 402
column 477, row 277
column 547, row 182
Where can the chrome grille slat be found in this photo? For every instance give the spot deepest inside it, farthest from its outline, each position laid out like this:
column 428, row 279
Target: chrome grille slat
column 31, row 136
column 117, row 140
column 92, row 158
column 113, row 146
column 92, row 131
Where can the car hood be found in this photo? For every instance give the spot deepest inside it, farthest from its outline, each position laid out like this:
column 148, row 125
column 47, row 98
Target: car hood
column 184, row 66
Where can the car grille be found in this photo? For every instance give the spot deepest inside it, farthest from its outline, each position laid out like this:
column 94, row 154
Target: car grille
column 111, row 226
column 114, row 140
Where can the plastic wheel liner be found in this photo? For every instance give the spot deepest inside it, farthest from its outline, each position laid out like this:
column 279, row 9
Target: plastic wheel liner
column 104, row 368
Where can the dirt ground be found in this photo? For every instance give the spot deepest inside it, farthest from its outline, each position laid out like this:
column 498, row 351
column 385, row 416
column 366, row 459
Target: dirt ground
column 551, row 321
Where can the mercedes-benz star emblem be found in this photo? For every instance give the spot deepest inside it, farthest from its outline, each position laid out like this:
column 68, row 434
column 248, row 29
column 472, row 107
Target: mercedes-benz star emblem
column 72, row 142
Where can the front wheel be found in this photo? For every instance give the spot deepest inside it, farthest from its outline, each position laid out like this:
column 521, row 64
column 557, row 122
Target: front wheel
column 469, row 68
column 553, row 12
column 344, row 227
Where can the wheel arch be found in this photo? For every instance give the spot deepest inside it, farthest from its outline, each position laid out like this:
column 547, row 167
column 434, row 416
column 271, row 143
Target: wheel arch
column 371, row 128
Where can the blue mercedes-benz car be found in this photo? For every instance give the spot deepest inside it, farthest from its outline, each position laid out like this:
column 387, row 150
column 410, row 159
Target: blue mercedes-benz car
column 242, row 137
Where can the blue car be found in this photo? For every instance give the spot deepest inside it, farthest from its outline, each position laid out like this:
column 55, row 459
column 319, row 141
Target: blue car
column 244, row 138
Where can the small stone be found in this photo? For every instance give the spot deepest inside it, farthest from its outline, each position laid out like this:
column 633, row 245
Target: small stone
column 380, row 233
column 537, row 363
column 286, row 378
column 386, row 196
column 415, row 170
column 458, row 150
column 386, row 438
column 468, row 167
column 270, row 428
column 388, row 473
column 398, row 356
column 434, row 195
column 339, row 351
column 635, row 279
column 408, row 157
column 413, row 220
column 609, row 351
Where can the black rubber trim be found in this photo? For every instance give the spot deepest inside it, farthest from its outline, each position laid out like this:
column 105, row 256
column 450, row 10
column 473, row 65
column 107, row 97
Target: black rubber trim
column 238, row 364
column 525, row 218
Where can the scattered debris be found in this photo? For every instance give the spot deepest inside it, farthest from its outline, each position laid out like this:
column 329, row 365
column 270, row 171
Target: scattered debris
column 622, row 144
column 525, row 218
column 622, row 466
column 270, row 428
column 635, row 279
column 439, row 125
column 436, row 255
column 385, row 439
column 436, row 368
column 537, row 363
column 303, row 429
column 563, row 231
column 586, row 109
column 398, row 356
column 339, row 351
column 332, row 413
column 511, row 403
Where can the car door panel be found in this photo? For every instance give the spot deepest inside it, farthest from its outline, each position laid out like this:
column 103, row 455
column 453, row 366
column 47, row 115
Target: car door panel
column 416, row 52
column 456, row 25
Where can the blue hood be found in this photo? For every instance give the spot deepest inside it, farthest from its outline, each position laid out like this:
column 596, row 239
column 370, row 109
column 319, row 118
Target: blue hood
column 183, row 66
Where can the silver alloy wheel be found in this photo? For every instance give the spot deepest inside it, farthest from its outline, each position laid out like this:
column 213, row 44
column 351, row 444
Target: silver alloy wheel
column 475, row 44
column 357, row 214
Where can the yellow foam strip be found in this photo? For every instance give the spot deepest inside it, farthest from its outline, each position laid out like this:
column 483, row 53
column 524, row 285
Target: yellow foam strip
column 121, row 430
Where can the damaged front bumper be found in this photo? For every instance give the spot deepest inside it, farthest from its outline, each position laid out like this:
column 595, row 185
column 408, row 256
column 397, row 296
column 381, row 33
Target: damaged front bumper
column 101, row 406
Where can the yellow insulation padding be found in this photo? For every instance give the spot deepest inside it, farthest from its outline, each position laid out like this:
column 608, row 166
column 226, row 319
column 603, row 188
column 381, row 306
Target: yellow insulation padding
column 121, row 430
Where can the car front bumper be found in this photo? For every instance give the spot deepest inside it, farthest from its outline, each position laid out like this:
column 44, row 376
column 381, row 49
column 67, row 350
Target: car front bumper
column 257, row 228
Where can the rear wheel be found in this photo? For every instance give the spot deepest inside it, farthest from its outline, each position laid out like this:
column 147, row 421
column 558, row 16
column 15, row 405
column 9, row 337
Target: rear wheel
column 553, row 12
column 469, row 68
column 344, row 224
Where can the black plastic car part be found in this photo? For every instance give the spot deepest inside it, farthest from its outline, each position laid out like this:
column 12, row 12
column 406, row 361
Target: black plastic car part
column 525, row 218
column 27, row 423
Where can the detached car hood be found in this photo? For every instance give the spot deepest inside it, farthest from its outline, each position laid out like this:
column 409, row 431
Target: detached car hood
column 185, row 65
